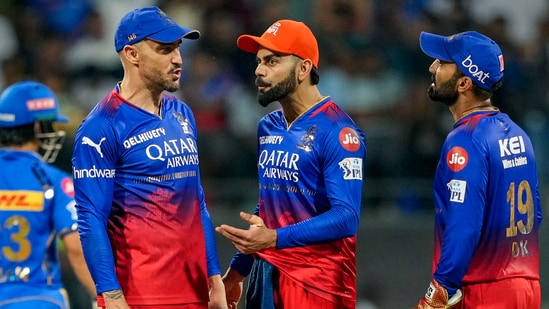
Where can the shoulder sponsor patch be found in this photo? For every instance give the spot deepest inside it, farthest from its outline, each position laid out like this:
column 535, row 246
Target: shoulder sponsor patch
column 348, row 138
column 352, row 168
column 457, row 190
column 457, row 158
column 67, row 186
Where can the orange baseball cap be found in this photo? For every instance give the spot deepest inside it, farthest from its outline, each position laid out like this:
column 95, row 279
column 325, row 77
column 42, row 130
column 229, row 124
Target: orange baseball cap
column 284, row 36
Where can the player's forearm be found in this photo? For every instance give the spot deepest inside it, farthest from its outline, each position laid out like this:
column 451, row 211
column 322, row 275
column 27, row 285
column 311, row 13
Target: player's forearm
column 115, row 299
column 232, row 276
column 337, row 223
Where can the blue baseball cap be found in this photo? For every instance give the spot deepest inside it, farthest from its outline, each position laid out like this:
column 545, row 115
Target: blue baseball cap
column 150, row 23
column 475, row 54
column 27, row 102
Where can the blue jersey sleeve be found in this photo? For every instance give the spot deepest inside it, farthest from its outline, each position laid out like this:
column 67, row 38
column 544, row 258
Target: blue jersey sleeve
column 462, row 221
column 342, row 169
column 209, row 234
column 93, row 172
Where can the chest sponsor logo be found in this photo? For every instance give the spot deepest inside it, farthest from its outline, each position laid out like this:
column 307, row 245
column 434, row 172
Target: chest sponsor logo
column 352, row 168
column 21, row 200
column 273, row 140
column 349, row 140
column 457, row 158
column 97, row 146
column 457, row 190
column 144, row 137
column 279, row 164
column 92, row 172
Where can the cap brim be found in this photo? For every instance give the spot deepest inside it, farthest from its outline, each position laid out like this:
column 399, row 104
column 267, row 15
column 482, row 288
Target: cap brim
column 173, row 34
column 434, row 46
column 250, row 43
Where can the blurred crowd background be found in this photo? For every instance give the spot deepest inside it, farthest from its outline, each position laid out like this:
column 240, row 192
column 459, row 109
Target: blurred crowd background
column 370, row 63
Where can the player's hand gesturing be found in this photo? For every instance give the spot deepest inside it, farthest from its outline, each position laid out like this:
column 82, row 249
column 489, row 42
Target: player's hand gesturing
column 252, row 240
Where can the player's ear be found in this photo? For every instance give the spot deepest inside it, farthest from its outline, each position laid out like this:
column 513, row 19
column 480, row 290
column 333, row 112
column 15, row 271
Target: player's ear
column 304, row 68
column 464, row 83
column 131, row 53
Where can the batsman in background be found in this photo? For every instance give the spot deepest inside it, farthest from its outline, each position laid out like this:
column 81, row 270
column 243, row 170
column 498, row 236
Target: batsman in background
column 36, row 202
column 487, row 202
column 146, row 232
column 301, row 244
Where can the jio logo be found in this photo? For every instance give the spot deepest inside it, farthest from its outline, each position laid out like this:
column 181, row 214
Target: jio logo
column 457, row 158
column 348, row 138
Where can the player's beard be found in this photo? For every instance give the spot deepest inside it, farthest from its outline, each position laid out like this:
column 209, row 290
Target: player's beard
column 159, row 79
column 446, row 92
column 279, row 91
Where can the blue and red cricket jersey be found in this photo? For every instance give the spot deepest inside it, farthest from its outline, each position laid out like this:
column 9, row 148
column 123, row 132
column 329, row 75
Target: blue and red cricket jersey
column 487, row 203
column 141, row 209
column 310, row 189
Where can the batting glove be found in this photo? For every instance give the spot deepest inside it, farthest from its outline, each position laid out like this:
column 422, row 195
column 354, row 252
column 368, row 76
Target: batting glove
column 437, row 298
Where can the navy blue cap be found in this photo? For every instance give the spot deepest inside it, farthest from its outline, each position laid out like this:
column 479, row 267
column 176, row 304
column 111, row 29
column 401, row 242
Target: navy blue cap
column 27, row 102
column 475, row 54
column 150, row 23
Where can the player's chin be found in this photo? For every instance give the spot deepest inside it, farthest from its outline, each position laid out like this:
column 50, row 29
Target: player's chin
column 172, row 87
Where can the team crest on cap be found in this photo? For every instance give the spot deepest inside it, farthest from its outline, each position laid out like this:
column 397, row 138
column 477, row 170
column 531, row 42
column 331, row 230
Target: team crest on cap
column 166, row 17
column 273, row 29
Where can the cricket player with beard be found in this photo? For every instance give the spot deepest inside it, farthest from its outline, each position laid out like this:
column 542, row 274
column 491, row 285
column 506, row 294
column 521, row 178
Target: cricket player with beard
column 487, row 203
column 301, row 244
column 146, row 232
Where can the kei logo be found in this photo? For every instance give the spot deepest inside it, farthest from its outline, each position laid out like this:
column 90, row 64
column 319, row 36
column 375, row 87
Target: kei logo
column 97, row 146
column 457, row 158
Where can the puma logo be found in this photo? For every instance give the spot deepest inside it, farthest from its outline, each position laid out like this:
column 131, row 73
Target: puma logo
column 87, row 141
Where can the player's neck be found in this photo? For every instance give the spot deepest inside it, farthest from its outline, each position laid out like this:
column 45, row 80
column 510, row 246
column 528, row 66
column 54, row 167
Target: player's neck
column 297, row 103
column 141, row 97
column 462, row 110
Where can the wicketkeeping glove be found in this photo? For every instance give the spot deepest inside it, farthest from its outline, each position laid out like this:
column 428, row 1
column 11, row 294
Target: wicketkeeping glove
column 437, row 298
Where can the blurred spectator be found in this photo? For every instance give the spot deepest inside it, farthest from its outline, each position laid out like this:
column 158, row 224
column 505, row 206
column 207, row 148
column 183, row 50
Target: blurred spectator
column 91, row 64
column 8, row 48
column 63, row 17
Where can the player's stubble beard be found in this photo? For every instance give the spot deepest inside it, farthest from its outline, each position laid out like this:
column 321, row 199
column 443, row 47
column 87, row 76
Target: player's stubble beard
column 279, row 91
column 158, row 78
column 446, row 92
